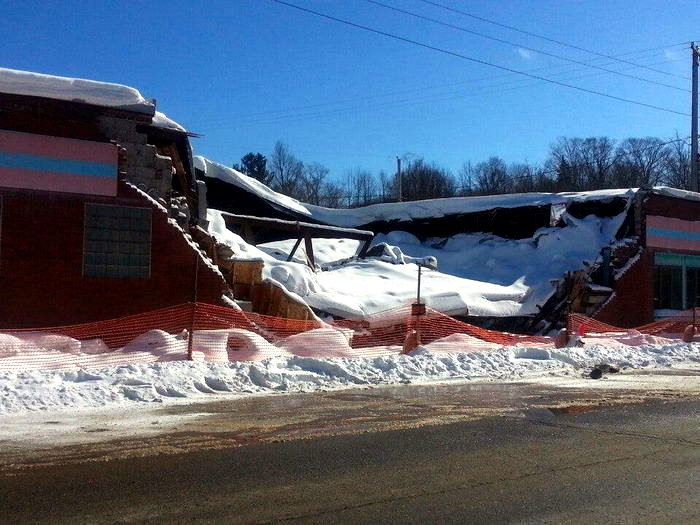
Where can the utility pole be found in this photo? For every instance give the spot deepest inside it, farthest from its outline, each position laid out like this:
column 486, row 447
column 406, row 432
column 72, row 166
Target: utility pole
column 694, row 177
column 399, row 182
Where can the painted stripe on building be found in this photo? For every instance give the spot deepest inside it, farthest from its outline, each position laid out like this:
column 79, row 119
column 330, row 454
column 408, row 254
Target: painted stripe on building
column 59, row 182
column 42, row 162
column 671, row 233
column 56, row 147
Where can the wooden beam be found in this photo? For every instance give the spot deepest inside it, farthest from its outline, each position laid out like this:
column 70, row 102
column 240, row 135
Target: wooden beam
column 363, row 251
column 308, row 245
column 296, row 245
column 319, row 231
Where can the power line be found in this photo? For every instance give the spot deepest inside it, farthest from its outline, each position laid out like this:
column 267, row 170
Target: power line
column 548, row 39
column 423, row 89
column 527, row 48
column 252, row 119
column 277, row 115
column 475, row 60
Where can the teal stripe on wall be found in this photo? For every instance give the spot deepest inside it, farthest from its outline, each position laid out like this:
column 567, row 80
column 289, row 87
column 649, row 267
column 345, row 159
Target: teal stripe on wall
column 39, row 163
column 673, row 234
column 677, row 259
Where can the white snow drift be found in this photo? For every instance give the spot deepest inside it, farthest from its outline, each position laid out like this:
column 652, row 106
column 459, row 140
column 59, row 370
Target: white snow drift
column 187, row 380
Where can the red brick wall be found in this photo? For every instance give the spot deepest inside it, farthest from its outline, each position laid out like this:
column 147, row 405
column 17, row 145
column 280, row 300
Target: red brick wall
column 41, row 257
column 633, row 302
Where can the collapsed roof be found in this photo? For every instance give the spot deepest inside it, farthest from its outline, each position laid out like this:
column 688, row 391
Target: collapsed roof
column 499, row 256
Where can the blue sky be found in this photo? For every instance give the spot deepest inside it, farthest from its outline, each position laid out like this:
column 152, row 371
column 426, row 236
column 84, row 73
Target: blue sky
column 245, row 73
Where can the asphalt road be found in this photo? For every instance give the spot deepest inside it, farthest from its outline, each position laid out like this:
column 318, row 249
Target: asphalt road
column 635, row 463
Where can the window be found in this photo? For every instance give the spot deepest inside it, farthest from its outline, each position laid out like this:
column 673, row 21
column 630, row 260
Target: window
column 669, row 288
column 677, row 283
column 117, row 241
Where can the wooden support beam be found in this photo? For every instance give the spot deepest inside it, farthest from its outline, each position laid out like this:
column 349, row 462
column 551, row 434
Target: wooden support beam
column 308, row 245
column 319, row 231
column 363, row 251
column 296, row 245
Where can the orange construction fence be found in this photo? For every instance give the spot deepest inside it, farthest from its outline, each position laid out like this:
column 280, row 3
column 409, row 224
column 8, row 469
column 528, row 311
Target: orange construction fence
column 673, row 325
column 205, row 332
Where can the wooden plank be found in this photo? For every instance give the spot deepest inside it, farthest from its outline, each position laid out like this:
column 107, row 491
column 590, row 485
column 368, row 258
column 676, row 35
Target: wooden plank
column 296, row 245
column 308, row 244
column 363, row 251
column 303, row 228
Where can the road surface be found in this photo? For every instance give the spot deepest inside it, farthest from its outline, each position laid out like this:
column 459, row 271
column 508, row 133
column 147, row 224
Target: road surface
column 451, row 453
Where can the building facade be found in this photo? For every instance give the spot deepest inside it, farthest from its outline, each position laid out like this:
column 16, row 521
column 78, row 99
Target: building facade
column 95, row 202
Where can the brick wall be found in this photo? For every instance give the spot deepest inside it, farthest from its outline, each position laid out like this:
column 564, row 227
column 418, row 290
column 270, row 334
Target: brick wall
column 633, row 301
column 41, row 256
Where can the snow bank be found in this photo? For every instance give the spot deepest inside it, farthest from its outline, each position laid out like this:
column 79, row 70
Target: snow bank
column 158, row 382
column 73, row 89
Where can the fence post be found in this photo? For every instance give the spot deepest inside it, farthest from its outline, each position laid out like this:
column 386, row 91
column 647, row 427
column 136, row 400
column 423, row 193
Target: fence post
column 194, row 306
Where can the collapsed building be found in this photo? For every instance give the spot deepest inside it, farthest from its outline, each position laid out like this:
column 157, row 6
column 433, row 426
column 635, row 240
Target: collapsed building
column 105, row 212
column 513, row 262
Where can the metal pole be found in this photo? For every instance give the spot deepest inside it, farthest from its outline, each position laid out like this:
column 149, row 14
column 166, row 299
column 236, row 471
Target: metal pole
column 194, row 306
column 418, row 295
column 399, row 181
column 694, row 180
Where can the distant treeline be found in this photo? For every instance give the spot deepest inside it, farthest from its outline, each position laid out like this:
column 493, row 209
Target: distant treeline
column 573, row 164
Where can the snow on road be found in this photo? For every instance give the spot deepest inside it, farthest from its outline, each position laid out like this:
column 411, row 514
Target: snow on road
column 185, row 381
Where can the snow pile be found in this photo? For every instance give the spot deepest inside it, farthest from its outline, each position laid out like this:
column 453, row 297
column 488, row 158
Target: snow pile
column 158, row 382
column 73, row 89
column 479, row 274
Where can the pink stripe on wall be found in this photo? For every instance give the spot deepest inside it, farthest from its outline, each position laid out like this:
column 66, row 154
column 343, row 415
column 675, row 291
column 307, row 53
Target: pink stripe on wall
column 673, row 244
column 60, row 182
column 669, row 223
column 57, row 147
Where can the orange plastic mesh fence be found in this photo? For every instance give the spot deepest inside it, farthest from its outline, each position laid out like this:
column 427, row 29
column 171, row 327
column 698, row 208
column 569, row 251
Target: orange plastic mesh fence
column 673, row 325
column 216, row 333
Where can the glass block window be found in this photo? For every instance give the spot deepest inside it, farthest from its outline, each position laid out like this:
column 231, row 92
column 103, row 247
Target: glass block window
column 117, row 241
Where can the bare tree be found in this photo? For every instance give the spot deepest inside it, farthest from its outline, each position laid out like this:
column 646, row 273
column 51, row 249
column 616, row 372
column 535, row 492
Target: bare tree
column 313, row 184
column 465, row 179
column 333, row 195
column 384, row 184
column 286, row 171
column 640, row 162
column 491, row 177
column 361, row 187
column 677, row 166
column 421, row 180
column 583, row 164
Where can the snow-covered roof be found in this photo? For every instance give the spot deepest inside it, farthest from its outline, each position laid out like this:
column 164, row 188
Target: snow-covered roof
column 74, row 89
column 478, row 274
column 425, row 209
column 675, row 192
column 231, row 176
column 161, row 120
column 400, row 211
